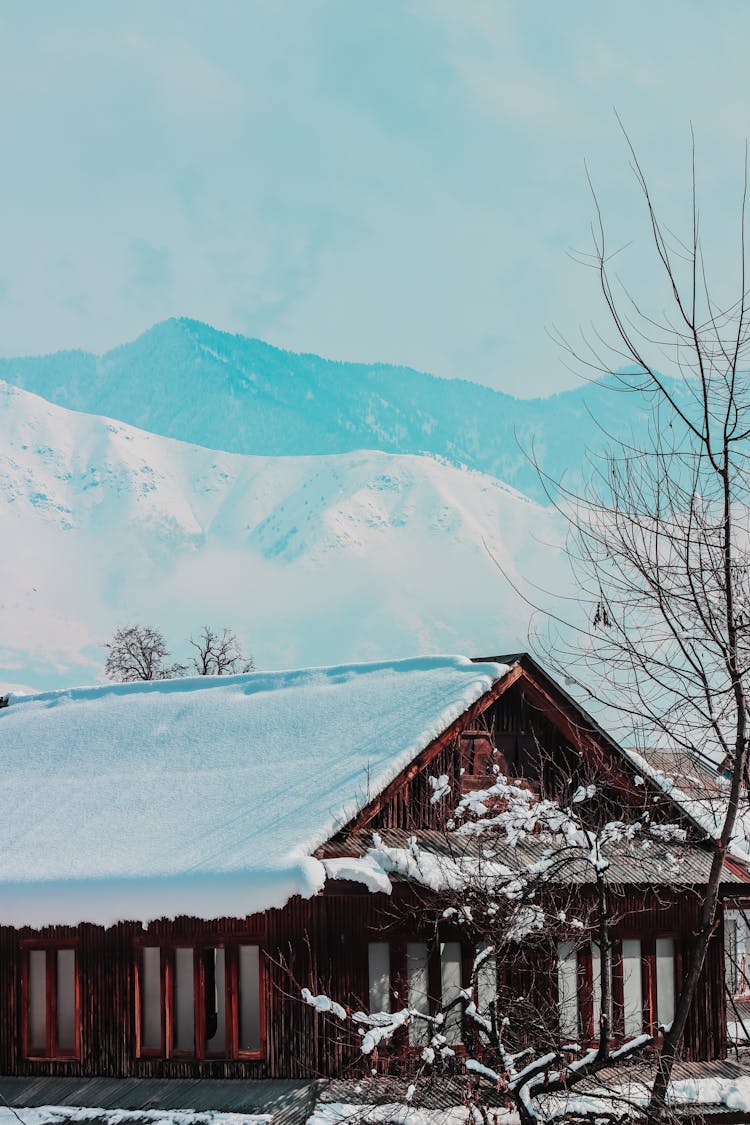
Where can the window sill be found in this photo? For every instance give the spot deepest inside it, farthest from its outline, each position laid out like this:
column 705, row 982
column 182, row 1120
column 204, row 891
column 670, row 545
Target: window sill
column 52, row 1058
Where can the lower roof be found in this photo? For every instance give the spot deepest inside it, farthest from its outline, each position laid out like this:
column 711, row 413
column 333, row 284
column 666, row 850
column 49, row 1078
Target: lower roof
column 637, row 862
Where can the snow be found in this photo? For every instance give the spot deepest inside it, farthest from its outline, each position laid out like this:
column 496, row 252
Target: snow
column 588, row 1100
column 204, row 796
column 398, row 1113
column 239, row 394
column 323, row 1004
column 60, row 1115
column 707, row 811
column 359, row 556
column 733, row 1093
column 365, row 869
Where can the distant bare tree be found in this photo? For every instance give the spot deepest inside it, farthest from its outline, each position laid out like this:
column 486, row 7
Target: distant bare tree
column 219, row 653
column 138, row 652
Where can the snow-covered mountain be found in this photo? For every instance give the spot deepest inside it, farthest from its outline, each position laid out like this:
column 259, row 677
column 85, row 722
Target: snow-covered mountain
column 310, row 559
column 185, row 380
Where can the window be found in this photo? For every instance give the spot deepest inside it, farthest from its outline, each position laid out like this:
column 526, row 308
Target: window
column 665, row 981
column 596, row 981
column 731, row 955
column 579, row 990
column 50, row 1007
column 632, row 987
column 486, row 980
column 379, row 966
column 152, row 1010
column 200, row 1002
column 450, row 982
column 567, row 989
column 417, row 977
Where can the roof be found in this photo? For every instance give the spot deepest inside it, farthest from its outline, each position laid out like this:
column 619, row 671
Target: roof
column 205, row 796
column 689, row 782
column 638, row 862
column 163, row 1101
column 698, row 789
column 693, row 1088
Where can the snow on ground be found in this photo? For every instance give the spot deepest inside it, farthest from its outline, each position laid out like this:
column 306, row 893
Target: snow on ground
column 397, row 1113
column 204, row 796
column 61, row 1115
column 733, row 1093
column 311, row 560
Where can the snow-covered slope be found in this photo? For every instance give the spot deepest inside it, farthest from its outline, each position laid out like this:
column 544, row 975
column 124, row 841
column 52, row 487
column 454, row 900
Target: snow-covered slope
column 312, row 560
column 186, row 380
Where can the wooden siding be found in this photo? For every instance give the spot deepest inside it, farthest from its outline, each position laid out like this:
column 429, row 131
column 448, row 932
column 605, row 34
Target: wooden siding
column 519, row 721
column 320, row 943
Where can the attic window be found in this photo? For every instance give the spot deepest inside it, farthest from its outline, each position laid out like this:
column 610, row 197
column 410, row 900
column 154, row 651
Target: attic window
column 50, row 1009
column 477, row 759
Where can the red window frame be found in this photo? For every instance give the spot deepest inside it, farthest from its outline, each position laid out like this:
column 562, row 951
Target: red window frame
column 52, row 1050
column 650, row 1016
column 200, row 1050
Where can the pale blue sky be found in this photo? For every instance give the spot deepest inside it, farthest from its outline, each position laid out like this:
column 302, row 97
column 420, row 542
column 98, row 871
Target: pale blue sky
column 382, row 180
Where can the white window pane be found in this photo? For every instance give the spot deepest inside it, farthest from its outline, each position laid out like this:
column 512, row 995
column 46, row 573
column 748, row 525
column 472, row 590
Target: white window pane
column 632, row 990
column 151, row 998
column 66, row 999
column 486, row 983
column 567, row 989
column 731, row 951
column 379, row 961
column 418, row 984
column 37, row 1013
column 596, row 981
column 215, row 1000
column 665, row 980
column 249, row 971
column 450, row 980
column 184, row 1001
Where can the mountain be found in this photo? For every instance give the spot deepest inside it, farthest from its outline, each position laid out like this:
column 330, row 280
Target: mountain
column 311, row 560
column 186, row 380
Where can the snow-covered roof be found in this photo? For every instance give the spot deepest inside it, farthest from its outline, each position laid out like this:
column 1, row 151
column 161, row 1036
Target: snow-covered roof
column 204, row 796
column 702, row 794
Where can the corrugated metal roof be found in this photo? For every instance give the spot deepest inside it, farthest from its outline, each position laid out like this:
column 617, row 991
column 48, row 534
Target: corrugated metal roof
column 430, row 1094
column 289, row 1101
column 637, row 862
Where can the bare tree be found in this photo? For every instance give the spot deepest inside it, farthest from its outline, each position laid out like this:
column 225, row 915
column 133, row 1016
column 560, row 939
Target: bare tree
column 659, row 542
column 659, row 539
column 525, row 882
column 138, row 652
column 219, row 653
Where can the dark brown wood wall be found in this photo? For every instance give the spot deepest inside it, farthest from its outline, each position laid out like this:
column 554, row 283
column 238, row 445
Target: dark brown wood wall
column 322, row 943
column 411, row 806
column 532, row 748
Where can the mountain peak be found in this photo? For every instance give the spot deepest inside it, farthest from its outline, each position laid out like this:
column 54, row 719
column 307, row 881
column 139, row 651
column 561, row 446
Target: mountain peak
column 188, row 380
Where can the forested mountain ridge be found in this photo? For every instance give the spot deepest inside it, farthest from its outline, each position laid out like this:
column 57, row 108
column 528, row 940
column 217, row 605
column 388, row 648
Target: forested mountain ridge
column 186, row 380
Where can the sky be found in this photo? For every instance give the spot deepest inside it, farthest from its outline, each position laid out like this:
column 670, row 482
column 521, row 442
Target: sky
column 393, row 180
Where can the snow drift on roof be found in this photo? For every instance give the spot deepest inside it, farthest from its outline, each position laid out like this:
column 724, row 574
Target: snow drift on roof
column 204, row 796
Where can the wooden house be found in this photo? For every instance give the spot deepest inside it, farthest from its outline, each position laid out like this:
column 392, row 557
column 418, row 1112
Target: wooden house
column 177, row 857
